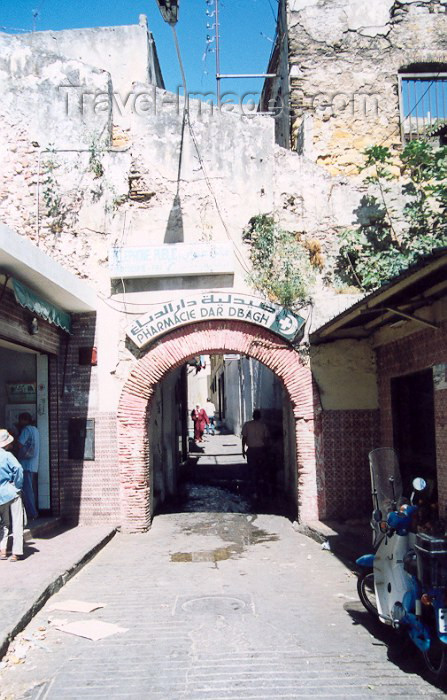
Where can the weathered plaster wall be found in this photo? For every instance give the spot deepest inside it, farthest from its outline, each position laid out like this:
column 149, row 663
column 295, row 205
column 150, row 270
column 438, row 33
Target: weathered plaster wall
column 250, row 385
column 135, row 62
column 345, row 372
column 344, row 58
column 275, row 94
column 67, row 185
column 69, row 189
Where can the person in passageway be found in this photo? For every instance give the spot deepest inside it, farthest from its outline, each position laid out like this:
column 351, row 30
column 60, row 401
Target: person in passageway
column 211, row 413
column 29, row 444
column 200, row 420
column 11, row 507
column 255, row 441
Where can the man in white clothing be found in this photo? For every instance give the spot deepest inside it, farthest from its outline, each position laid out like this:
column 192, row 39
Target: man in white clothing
column 210, row 410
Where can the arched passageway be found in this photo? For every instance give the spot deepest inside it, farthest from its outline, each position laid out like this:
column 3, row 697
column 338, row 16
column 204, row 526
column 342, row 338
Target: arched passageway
column 172, row 351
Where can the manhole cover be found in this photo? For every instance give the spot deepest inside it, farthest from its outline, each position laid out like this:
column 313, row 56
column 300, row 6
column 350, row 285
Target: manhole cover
column 214, row 604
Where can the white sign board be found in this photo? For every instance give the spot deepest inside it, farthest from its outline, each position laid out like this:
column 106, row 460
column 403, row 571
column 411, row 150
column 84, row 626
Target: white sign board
column 172, row 260
column 214, row 306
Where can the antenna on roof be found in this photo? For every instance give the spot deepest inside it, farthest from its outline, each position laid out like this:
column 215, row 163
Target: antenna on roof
column 219, row 75
column 35, row 13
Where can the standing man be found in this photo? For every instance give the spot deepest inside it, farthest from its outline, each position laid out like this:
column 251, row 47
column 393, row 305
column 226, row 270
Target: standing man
column 255, row 438
column 11, row 508
column 211, row 413
column 29, row 444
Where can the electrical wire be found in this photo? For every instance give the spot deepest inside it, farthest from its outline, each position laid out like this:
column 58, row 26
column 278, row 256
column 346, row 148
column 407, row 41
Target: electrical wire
column 149, row 305
column 186, row 119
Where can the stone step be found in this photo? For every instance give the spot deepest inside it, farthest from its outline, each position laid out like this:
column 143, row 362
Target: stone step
column 42, row 527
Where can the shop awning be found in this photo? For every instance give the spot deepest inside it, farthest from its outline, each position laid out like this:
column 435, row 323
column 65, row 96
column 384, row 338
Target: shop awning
column 45, row 309
column 402, row 298
column 22, row 260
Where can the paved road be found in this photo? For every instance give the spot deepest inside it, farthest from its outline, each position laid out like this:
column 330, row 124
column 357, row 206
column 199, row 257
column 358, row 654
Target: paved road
column 218, row 606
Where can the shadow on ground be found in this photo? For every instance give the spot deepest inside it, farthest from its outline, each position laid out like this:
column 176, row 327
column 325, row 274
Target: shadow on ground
column 400, row 650
column 224, row 488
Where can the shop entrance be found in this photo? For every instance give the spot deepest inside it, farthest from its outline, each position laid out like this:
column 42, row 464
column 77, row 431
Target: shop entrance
column 24, row 389
column 414, row 426
column 171, row 353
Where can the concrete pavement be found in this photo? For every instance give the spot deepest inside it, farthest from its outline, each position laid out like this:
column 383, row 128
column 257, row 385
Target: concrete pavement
column 219, row 606
column 52, row 554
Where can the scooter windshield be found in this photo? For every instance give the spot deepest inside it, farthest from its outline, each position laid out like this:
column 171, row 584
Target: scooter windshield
column 385, row 479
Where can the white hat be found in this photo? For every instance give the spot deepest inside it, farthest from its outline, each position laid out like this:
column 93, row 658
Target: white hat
column 5, row 438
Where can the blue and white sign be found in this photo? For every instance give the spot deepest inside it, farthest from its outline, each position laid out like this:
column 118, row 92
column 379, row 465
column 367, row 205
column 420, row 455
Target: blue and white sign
column 176, row 259
column 214, row 306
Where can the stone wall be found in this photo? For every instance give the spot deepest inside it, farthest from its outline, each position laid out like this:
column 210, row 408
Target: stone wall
column 343, row 62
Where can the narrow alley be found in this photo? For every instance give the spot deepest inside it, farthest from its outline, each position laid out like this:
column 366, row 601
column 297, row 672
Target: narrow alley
column 215, row 605
column 216, row 478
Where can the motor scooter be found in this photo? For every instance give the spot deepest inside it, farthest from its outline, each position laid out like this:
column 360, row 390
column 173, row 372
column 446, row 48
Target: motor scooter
column 404, row 583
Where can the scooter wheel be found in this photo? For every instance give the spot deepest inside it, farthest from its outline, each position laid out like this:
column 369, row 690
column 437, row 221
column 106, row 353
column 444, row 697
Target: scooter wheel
column 435, row 660
column 366, row 591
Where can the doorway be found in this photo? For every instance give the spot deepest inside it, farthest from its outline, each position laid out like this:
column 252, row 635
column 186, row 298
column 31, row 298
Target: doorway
column 414, row 427
column 178, row 347
column 214, row 476
column 24, row 389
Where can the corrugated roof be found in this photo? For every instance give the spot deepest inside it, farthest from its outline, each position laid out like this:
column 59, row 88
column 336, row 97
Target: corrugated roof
column 419, row 285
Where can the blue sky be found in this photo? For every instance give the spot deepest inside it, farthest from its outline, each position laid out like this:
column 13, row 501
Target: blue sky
column 246, row 27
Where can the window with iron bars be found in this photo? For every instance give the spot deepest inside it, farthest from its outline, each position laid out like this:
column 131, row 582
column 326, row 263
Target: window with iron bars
column 423, row 105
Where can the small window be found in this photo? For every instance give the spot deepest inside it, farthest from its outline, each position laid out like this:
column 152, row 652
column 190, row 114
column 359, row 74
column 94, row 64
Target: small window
column 423, row 102
column 81, row 439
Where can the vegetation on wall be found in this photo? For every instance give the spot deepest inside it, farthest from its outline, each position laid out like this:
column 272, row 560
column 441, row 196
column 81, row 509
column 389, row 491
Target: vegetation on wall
column 281, row 268
column 96, row 149
column 393, row 232
column 51, row 193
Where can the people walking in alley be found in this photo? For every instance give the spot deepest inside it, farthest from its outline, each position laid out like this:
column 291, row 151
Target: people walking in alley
column 29, row 445
column 211, row 413
column 200, row 420
column 255, row 439
column 11, row 507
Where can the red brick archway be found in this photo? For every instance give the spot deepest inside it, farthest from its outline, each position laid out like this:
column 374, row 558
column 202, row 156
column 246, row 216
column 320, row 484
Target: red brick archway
column 173, row 350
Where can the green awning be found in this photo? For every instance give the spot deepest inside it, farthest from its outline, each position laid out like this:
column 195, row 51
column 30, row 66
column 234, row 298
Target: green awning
column 45, row 309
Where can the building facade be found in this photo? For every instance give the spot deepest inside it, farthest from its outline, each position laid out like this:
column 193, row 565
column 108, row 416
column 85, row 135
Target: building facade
column 143, row 196
column 403, row 325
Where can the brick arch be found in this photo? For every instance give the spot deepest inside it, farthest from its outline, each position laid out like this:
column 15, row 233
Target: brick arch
column 173, row 350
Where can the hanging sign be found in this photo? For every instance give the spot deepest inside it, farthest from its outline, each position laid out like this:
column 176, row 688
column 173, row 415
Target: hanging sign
column 210, row 307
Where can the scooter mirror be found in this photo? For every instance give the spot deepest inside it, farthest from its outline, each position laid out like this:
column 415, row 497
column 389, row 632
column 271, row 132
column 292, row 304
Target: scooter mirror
column 419, row 483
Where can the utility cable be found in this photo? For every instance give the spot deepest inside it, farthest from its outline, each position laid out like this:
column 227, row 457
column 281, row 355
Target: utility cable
column 186, row 118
